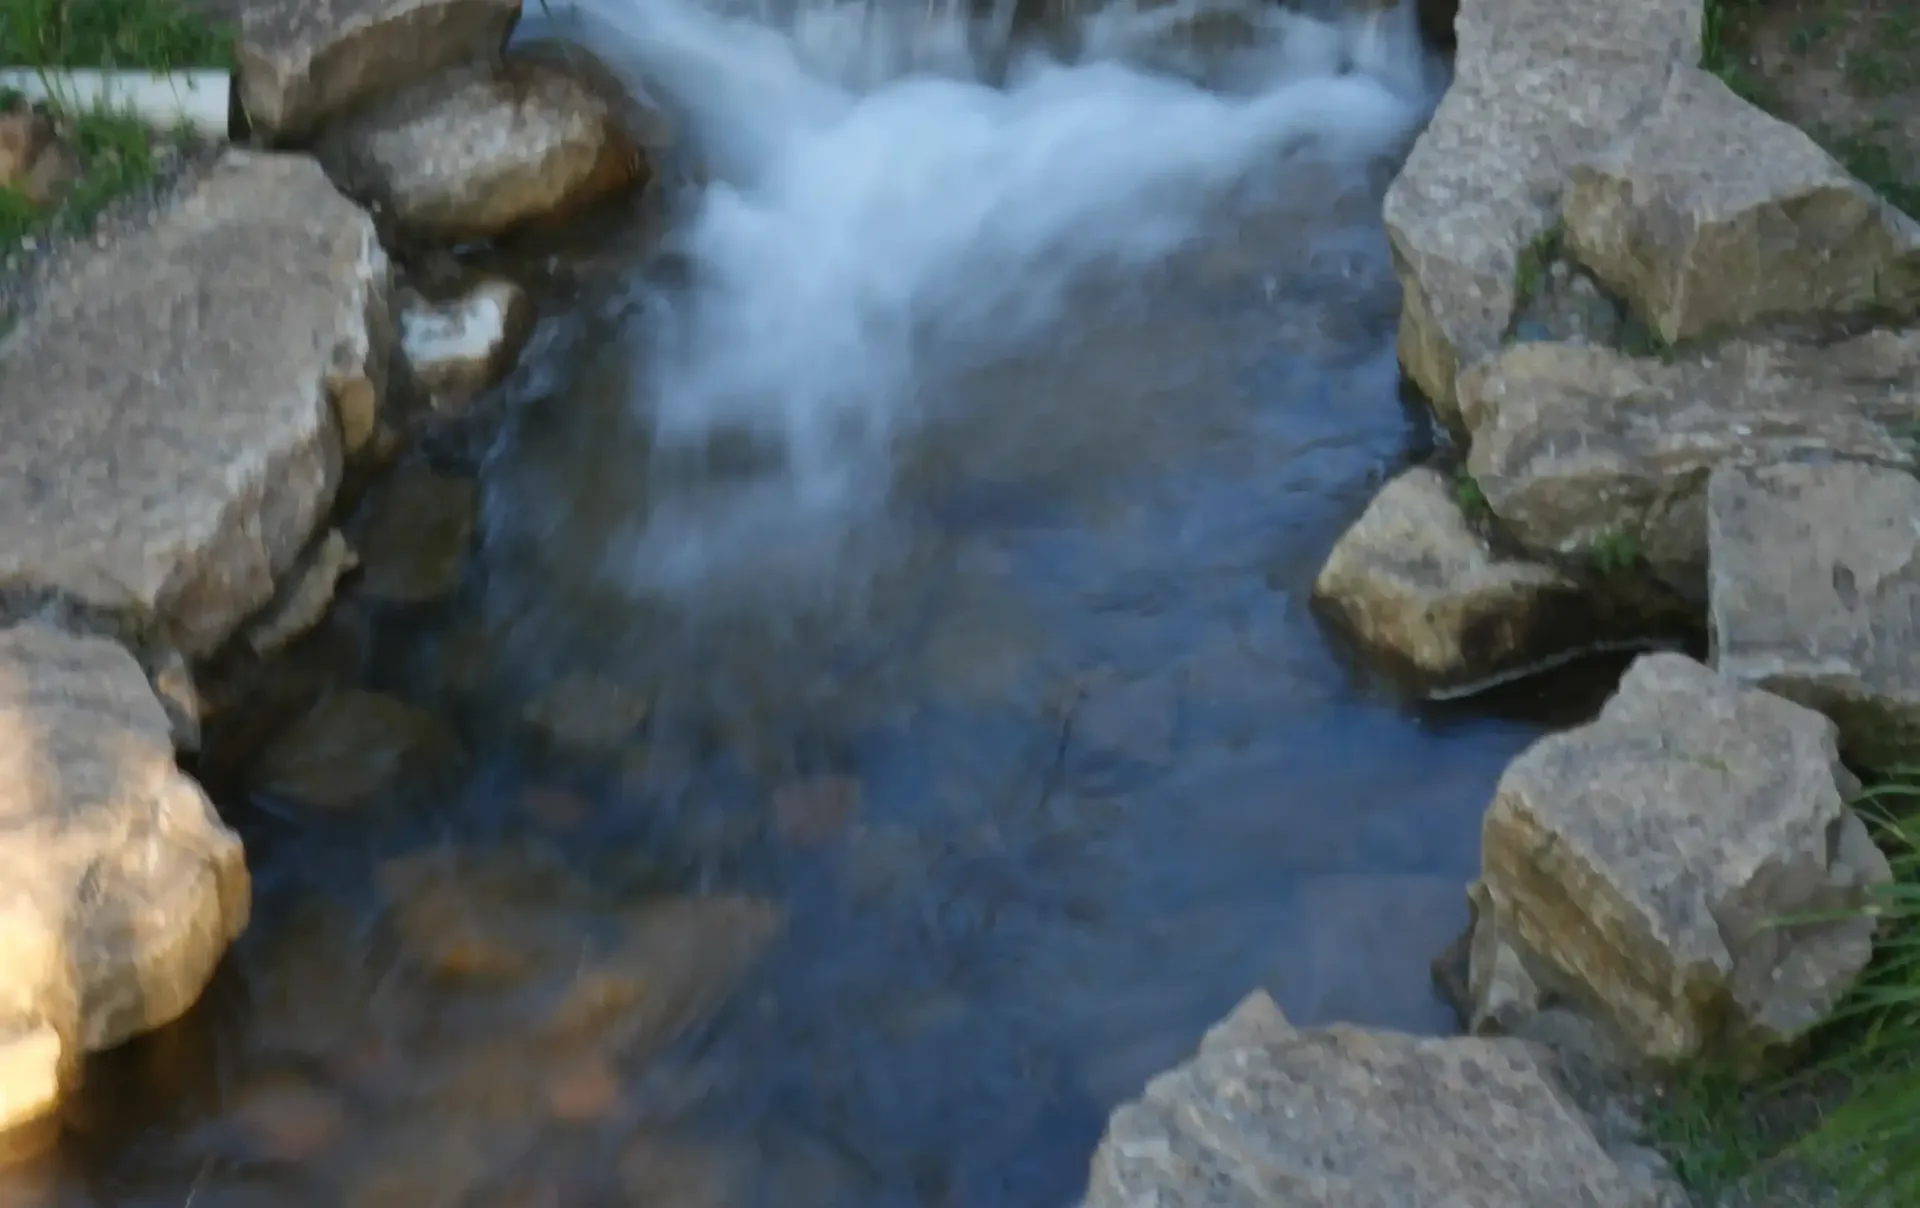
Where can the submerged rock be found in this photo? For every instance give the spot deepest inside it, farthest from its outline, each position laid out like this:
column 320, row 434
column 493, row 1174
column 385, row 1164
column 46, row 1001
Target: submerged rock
column 477, row 153
column 170, row 411
column 1538, row 86
column 587, row 714
column 1586, row 452
column 304, row 597
column 1713, row 214
column 1424, row 593
column 1814, row 582
column 1642, row 864
column 300, row 62
column 124, row 887
column 454, row 350
column 354, row 748
column 1266, row 1114
column 417, row 533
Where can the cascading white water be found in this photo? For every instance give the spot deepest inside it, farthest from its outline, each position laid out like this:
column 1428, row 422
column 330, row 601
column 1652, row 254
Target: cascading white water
column 868, row 199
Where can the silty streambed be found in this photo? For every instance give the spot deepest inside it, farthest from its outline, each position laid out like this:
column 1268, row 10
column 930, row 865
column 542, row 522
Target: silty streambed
column 931, row 519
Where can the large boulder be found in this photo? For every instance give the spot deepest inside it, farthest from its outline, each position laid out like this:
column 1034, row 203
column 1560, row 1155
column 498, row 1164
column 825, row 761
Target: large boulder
column 475, row 154
column 1659, row 864
column 1711, row 215
column 1538, row 86
column 300, row 62
column 123, row 888
column 174, row 413
column 1265, row 1114
column 1423, row 593
column 1583, row 450
column 1815, row 594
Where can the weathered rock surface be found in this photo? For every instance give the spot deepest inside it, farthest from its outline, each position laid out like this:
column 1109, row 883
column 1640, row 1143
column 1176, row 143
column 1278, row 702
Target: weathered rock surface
column 1423, row 592
column 456, row 349
column 354, row 748
column 1576, row 448
column 1815, row 595
column 123, row 886
column 305, row 595
column 474, row 154
column 1265, row 1114
column 1638, row 866
column 1712, row 215
column 168, row 414
column 1538, row 85
column 301, row 62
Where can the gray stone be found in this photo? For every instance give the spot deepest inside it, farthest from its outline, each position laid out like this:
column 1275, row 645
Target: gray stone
column 1423, row 592
column 455, row 349
column 1712, row 215
column 1579, row 450
column 1648, row 864
column 475, row 154
column 301, row 62
column 1538, row 85
column 168, row 413
column 1814, row 583
column 1266, row 1115
column 123, row 888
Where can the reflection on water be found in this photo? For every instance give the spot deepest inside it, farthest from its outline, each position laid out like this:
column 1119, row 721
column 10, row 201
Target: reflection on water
column 868, row 871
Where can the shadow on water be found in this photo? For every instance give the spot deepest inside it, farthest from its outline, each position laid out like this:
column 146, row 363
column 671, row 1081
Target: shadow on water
column 929, row 834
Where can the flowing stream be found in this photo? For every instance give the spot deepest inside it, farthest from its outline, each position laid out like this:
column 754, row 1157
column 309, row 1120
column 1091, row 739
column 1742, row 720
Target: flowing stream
column 948, row 482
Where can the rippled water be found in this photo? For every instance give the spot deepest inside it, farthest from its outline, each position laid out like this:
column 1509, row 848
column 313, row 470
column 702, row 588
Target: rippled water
column 947, row 490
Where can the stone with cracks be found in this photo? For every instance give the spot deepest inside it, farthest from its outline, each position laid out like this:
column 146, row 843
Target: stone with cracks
column 301, row 62
column 1265, row 1114
column 1712, row 215
column 1538, row 85
column 1578, row 449
column 1650, row 862
column 123, row 888
column 1417, row 587
column 169, row 431
column 1815, row 590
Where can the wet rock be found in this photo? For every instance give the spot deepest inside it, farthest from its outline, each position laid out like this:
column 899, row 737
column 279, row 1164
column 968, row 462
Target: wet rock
column 478, row 153
column 354, row 748
column 34, row 1072
column 1265, row 1114
column 587, row 714
column 417, row 534
column 456, row 349
column 583, row 1090
column 1588, row 453
column 1538, row 85
column 289, row 1119
column 303, row 599
column 300, row 62
column 815, row 809
column 1815, row 589
column 124, row 887
column 1712, row 215
column 1426, row 595
column 168, row 411
column 1641, row 864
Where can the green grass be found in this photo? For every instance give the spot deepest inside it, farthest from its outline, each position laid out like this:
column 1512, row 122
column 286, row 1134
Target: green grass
column 1467, row 493
column 1614, row 552
column 151, row 35
column 116, row 157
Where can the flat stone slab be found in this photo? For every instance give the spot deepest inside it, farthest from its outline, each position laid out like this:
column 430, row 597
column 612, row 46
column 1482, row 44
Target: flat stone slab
column 1538, row 85
column 301, row 62
column 1580, row 448
column 1713, row 215
column 1343, row 1118
column 170, row 431
column 1642, row 862
column 122, row 886
column 1814, row 585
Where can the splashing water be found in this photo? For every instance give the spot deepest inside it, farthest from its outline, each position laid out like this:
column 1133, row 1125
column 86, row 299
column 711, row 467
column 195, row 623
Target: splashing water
column 877, row 217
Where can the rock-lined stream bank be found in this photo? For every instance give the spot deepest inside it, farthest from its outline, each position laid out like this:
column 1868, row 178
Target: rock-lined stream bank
column 753, row 611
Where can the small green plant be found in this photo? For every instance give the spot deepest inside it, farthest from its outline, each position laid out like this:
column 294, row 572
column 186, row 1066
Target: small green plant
column 1530, row 273
column 1471, row 498
column 1703, row 1126
column 1614, row 552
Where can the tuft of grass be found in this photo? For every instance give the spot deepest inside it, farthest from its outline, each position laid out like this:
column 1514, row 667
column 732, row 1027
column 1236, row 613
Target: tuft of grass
column 1530, row 273
column 145, row 35
column 1468, row 494
column 116, row 156
column 1614, row 552
column 1705, row 1128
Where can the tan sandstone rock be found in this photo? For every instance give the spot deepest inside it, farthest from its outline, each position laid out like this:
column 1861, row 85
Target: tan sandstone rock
column 1344, row 1118
column 1644, row 865
column 474, row 154
column 123, row 888
column 301, row 62
column 1815, row 591
column 1538, row 85
column 168, row 413
column 1424, row 593
column 1713, row 214
column 1582, row 448
column 455, row 349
